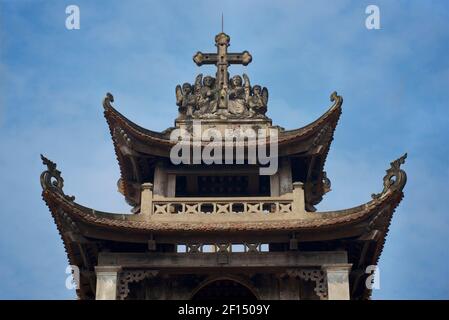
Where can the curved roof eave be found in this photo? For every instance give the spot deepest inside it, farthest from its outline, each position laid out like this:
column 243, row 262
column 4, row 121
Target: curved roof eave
column 389, row 198
column 67, row 214
column 129, row 223
column 286, row 137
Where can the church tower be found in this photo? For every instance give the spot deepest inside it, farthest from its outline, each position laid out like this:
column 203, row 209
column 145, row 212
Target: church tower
column 223, row 204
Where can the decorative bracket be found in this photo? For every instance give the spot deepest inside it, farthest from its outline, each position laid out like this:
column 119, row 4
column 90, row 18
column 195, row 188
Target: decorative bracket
column 132, row 276
column 315, row 275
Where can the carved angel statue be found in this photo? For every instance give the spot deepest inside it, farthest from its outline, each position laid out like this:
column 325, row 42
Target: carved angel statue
column 237, row 96
column 259, row 100
column 185, row 100
column 205, row 93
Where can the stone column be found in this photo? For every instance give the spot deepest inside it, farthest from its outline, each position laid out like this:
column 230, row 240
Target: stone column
column 146, row 199
column 160, row 180
column 337, row 276
column 274, row 185
column 285, row 176
column 298, row 198
column 107, row 279
column 171, row 185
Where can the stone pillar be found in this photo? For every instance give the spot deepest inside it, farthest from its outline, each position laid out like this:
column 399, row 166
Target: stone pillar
column 146, row 199
column 171, row 185
column 298, row 198
column 274, row 185
column 285, row 176
column 337, row 276
column 107, row 279
column 160, row 180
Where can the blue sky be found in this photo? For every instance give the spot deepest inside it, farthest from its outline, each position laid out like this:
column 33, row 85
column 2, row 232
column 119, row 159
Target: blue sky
column 394, row 81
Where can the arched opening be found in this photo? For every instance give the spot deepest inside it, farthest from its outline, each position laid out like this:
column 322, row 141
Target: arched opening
column 224, row 289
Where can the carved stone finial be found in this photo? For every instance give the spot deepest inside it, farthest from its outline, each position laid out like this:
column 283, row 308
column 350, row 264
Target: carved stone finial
column 108, row 100
column 395, row 178
column 336, row 98
column 51, row 178
column 109, row 97
column 222, row 39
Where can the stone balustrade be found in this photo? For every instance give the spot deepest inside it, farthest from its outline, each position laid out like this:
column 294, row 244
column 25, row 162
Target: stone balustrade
column 262, row 205
column 162, row 208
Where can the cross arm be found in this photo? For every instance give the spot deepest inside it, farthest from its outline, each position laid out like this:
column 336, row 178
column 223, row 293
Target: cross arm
column 205, row 58
column 243, row 58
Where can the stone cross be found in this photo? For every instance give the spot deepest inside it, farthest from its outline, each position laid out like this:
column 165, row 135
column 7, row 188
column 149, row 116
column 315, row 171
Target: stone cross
column 222, row 59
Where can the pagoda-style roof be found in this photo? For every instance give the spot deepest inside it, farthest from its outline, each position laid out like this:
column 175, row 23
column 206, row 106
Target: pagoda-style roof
column 138, row 149
column 84, row 230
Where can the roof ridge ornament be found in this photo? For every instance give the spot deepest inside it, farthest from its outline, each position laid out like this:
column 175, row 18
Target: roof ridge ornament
column 395, row 178
column 221, row 97
column 338, row 100
column 108, row 99
column 222, row 59
column 51, row 178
